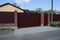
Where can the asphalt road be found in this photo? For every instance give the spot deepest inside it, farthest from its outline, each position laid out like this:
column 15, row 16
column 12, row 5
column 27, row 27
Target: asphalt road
column 50, row 35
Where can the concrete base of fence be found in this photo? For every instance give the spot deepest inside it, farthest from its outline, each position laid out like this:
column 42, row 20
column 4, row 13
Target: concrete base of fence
column 42, row 25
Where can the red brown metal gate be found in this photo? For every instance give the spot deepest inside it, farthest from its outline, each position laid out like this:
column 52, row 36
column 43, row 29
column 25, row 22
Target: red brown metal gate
column 56, row 17
column 45, row 19
column 28, row 20
column 6, row 17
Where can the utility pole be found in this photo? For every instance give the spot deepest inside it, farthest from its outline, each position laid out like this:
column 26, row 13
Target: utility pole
column 51, row 11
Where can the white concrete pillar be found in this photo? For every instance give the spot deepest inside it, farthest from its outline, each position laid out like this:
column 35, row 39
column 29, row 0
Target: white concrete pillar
column 16, row 19
column 48, row 19
column 42, row 19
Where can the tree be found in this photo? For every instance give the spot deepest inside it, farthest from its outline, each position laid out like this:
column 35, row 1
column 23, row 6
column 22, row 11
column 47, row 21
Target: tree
column 37, row 10
column 49, row 11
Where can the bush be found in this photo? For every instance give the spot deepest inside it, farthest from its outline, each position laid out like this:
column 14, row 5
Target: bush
column 55, row 25
column 3, row 29
column 58, row 25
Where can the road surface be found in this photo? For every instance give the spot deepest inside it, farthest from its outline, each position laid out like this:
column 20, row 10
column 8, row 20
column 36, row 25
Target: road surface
column 47, row 35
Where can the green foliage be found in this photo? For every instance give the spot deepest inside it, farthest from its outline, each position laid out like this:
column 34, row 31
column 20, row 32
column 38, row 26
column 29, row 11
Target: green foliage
column 37, row 10
column 49, row 11
column 3, row 29
column 54, row 25
column 58, row 25
column 34, row 11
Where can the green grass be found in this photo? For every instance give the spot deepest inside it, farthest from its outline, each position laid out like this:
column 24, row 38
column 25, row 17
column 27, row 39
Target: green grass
column 3, row 29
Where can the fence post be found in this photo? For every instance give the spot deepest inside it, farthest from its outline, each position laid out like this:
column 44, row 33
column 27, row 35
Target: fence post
column 42, row 19
column 16, row 19
column 48, row 19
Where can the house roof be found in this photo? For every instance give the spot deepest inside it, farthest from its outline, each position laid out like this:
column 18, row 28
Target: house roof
column 12, row 5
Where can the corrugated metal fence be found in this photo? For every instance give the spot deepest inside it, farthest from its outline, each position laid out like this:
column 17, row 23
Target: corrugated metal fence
column 31, row 20
column 28, row 20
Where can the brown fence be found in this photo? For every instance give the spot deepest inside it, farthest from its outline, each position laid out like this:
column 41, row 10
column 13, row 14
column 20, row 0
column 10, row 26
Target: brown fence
column 45, row 19
column 6, row 17
column 28, row 20
column 56, row 17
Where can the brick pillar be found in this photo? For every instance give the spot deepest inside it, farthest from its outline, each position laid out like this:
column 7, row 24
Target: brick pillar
column 42, row 19
column 16, row 19
column 48, row 19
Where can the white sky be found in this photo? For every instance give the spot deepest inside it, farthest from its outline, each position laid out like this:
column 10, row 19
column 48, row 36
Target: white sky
column 22, row 1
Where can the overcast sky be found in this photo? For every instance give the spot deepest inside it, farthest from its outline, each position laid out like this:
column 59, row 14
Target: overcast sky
column 33, row 4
